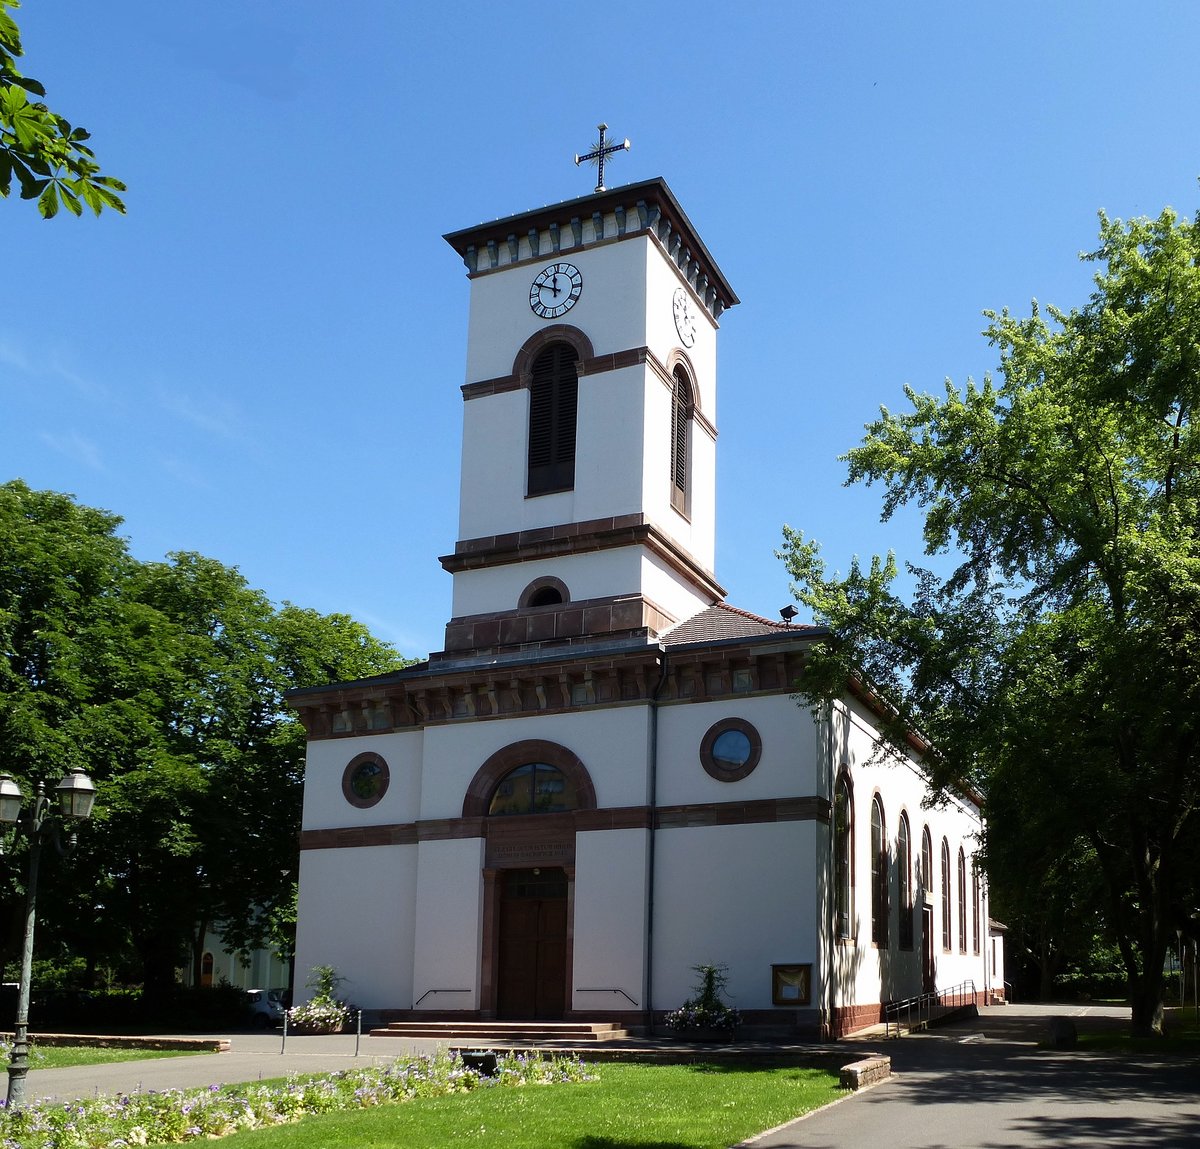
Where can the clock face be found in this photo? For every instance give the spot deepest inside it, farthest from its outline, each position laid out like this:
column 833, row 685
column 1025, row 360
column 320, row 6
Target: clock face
column 556, row 289
column 685, row 317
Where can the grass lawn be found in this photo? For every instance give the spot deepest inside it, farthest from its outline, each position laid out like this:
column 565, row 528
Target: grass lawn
column 62, row 1056
column 1182, row 1036
column 642, row 1106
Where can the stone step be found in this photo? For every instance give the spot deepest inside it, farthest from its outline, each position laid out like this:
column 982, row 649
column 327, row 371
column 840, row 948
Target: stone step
column 501, row 1033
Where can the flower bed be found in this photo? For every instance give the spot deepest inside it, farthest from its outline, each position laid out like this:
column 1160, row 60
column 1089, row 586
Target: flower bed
column 325, row 1012
column 705, row 1016
column 175, row 1116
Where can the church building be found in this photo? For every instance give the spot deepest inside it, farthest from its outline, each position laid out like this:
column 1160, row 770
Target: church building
column 605, row 778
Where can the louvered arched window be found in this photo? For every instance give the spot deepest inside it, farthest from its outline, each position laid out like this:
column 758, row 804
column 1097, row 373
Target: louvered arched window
column 926, row 878
column 945, row 895
column 681, row 431
column 975, row 910
column 553, row 401
column 843, row 855
column 962, row 901
column 904, row 873
column 879, row 875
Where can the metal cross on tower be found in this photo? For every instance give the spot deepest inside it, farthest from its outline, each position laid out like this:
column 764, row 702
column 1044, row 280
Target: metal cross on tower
column 597, row 154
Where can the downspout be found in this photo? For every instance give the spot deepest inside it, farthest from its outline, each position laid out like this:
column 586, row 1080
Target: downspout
column 831, row 878
column 648, row 996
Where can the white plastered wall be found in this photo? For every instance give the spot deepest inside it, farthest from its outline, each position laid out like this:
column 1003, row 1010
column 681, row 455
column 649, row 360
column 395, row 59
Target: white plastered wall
column 627, row 302
column 325, row 805
column 449, row 924
column 622, row 570
column 593, row 575
column 608, row 458
column 611, row 743
column 611, row 309
column 787, row 768
column 996, row 964
column 610, row 917
column 741, row 896
column 355, row 913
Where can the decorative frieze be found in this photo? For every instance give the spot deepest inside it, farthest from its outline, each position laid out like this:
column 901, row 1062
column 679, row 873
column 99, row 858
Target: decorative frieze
column 648, row 208
column 505, row 687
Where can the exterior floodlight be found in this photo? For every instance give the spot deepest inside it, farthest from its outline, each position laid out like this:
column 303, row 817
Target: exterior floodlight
column 10, row 799
column 788, row 613
column 76, row 793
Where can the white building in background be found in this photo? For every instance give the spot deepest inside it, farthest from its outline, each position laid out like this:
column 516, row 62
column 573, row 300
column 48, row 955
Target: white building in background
column 259, row 969
column 604, row 779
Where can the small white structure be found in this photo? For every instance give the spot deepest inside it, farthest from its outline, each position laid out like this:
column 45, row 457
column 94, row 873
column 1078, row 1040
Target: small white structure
column 604, row 779
column 260, row 969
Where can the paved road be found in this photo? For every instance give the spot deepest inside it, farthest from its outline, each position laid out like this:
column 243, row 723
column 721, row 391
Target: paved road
column 984, row 1084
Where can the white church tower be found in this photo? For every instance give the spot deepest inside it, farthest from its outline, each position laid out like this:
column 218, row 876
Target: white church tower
column 587, row 500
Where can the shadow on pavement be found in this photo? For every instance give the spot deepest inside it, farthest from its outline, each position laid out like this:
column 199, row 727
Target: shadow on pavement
column 1042, row 1097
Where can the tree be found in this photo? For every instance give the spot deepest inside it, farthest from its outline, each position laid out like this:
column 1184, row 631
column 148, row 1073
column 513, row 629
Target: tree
column 48, row 155
column 165, row 681
column 1060, row 660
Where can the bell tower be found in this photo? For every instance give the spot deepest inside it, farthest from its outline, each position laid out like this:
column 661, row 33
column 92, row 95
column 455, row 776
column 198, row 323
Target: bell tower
column 588, row 478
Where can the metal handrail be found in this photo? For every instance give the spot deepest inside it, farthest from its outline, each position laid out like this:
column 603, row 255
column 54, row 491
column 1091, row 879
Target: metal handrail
column 611, row 989
column 429, row 991
column 917, row 1012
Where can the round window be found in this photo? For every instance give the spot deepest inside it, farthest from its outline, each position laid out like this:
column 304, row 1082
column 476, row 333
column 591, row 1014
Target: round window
column 365, row 780
column 730, row 750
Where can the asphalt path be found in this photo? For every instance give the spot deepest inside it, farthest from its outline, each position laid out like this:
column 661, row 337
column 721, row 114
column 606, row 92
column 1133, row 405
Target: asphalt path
column 984, row 1084
column 979, row 1084
column 252, row 1057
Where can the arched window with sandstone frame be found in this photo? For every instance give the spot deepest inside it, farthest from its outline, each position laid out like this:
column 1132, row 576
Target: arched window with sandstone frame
column 843, row 856
column 879, row 874
column 904, row 881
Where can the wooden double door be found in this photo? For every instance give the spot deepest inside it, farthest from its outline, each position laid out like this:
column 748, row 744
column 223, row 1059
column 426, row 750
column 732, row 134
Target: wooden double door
column 532, row 977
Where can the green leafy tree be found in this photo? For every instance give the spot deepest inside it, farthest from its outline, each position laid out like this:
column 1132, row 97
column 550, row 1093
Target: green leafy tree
column 68, row 671
column 1060, row 660
column 165, row 681
column 48, row 155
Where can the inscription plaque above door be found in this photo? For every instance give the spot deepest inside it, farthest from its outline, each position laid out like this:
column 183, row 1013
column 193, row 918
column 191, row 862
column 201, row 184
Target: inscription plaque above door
column 531, row 840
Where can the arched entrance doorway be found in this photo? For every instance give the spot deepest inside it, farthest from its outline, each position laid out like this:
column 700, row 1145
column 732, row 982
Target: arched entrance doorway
column 527, row 795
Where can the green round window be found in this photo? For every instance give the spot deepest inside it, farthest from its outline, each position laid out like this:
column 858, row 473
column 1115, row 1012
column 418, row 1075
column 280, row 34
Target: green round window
column 365, row 780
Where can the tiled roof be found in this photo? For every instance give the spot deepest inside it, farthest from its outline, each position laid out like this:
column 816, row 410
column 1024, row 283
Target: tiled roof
column 722, row 621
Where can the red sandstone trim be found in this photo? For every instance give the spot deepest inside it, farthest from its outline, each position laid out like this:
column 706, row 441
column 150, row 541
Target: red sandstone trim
column 477, row 825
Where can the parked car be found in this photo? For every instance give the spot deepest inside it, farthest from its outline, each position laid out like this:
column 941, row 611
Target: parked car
column 266, row 1007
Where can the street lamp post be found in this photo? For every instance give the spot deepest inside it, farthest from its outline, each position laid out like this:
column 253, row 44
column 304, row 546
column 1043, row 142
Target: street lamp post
column 75, row 797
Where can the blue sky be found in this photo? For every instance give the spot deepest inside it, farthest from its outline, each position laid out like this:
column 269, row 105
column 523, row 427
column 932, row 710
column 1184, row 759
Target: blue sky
column 262, row 361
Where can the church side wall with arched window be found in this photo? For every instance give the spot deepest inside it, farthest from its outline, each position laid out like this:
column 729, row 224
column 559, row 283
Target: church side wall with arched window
column 890, row 964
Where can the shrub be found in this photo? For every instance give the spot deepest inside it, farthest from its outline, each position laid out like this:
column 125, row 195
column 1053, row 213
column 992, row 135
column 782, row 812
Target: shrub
column 705, row 1009
column 324, row 1011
